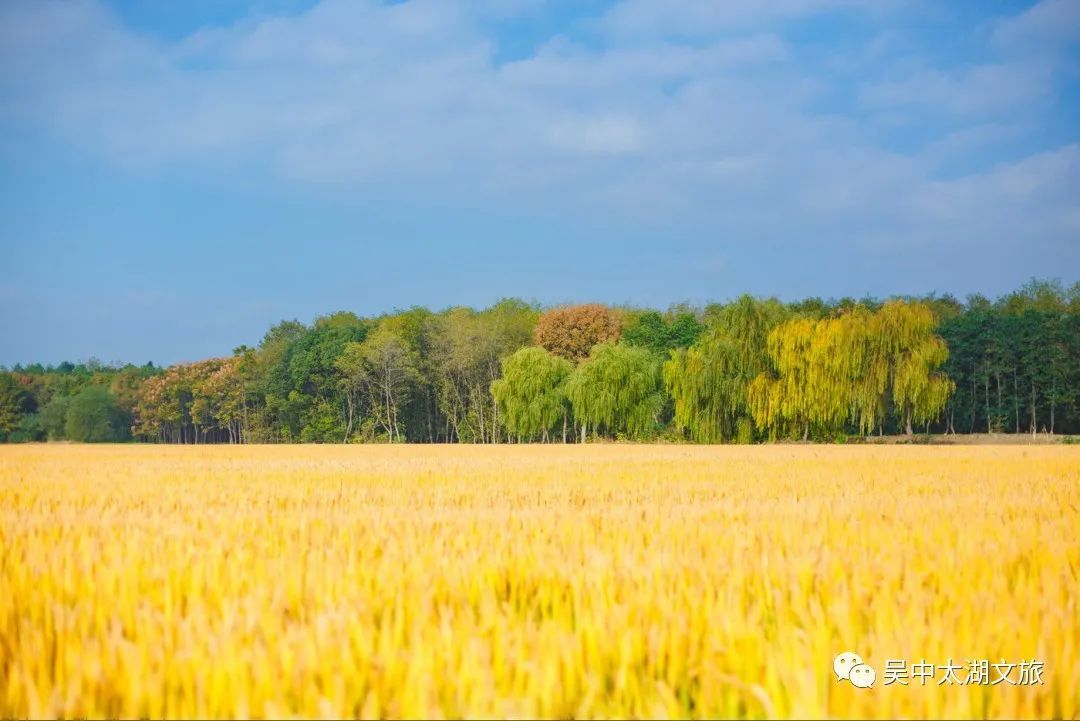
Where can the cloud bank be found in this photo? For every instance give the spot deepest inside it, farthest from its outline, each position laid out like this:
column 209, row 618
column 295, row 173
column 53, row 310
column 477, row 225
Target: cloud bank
column 797, row 129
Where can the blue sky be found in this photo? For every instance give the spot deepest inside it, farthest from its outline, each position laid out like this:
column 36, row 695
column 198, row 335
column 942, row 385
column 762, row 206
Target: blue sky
column 176, row 177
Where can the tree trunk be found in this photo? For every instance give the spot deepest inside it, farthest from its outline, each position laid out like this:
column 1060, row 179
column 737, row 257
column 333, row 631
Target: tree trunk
column 427, row 408
column 907, row 422
column 971, row 428
column 564, row 420
column 388, row 424
column 1016, row 401
column 997, row 375
column 1053, row 399
column 348, row 424
column 806, row 430
column 1034, row 420
column 481, row 424
column 243, row 400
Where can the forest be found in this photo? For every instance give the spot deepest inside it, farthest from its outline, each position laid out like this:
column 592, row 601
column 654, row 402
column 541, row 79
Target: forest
column 745, row 371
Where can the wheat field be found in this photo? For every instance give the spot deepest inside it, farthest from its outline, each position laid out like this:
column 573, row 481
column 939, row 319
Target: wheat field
column 532, row 581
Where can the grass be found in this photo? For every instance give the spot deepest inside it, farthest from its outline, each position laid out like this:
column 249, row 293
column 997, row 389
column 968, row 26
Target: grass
column 594, row 581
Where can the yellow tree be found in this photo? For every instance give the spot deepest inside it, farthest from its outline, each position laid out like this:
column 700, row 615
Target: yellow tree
column 868, row 395
column 903, row 338
column 779, row 400
column 832, row 369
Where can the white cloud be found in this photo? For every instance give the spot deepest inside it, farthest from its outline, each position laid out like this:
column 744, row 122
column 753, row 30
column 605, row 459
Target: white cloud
column 606, row 135
column 715, row 135
column 643, row 19
column 1048, row 24
column 972, row 90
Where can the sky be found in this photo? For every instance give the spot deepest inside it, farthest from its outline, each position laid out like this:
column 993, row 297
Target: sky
column 176, row 177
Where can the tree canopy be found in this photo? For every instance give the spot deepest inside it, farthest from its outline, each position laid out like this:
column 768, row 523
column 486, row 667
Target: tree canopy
column 747, row 370
column 532, row 393
column 616, row 391
column 94, row 416
column 571, row 331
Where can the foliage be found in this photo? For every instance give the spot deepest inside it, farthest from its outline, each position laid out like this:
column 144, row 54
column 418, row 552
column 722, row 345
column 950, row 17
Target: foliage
column 28, row 429
column 649, row 329
column 379, row 373
column 844, row 369
column 532, row 393
column 903, row 341
column 616, row 390
column 570, row 332
column 705, row 387
column 709, row 382
column 14, row 402
column 856, row 367
column 301, row 386
column 95, row 416
column 466, row 350
column 193, row 403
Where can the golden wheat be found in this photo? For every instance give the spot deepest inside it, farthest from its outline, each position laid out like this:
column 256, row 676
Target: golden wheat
column 595, row 581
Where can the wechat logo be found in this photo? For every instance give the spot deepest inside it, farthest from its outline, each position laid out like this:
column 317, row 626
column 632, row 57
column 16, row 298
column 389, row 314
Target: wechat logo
column 849, row 666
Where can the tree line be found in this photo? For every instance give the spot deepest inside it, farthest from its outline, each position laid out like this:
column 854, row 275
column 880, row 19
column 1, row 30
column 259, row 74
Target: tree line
column 750, row 370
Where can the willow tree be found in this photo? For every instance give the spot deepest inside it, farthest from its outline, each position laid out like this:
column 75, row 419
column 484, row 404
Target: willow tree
column 531, row 395
column 779, row 400
column 841, row 388
column 707, row 388
column 817, row 365
column 748, row 321
column 713, row 384
column 829, row 372
column 616, row 390
column 865, row 369
column 903, row 341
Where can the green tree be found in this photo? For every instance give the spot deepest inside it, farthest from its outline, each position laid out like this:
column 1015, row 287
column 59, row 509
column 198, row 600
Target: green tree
column 616, row 391
column 709, row 382
column 706, row 387
column 381, row 373
column 94, row 416
column 13, row 404
column 531, row 394
column 302, row 387
column 467, row 347
column 27, row 430
column 649, row 329
column 684, row 329
column 53, row 417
